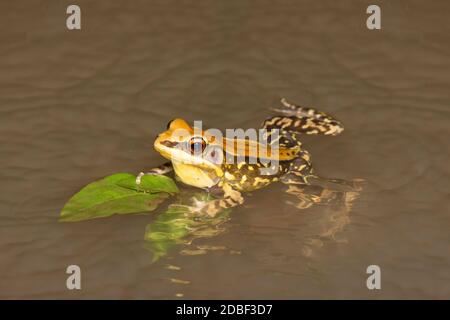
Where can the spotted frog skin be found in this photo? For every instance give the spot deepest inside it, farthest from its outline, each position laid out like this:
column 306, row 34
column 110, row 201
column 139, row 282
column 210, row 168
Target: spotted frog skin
column 197, row 158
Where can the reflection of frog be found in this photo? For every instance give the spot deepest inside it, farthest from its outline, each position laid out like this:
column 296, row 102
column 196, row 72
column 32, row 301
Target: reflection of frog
column 175, row 227
column 194, row 156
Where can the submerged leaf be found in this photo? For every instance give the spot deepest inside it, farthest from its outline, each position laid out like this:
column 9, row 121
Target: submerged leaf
column 118, row 194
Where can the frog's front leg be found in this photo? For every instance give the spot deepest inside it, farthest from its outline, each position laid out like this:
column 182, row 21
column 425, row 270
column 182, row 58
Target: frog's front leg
column 162, row 169
column 231, row 198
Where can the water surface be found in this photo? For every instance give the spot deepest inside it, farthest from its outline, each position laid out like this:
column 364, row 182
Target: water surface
column 79, row 105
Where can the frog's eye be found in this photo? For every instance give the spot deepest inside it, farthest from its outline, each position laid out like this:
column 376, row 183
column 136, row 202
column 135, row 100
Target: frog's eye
column 197, row 145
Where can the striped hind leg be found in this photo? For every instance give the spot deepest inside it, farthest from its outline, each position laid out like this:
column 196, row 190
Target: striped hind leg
column 300, row 170
column 305, row 120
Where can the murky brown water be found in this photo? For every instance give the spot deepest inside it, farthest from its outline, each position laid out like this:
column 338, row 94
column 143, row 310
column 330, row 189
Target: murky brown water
column 77, row 106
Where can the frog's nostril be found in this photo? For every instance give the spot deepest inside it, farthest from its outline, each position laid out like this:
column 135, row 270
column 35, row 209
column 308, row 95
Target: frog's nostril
column 168, row 124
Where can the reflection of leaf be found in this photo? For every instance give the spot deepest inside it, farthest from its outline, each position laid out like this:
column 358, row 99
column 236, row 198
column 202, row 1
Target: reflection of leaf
column 177, row 226
column 119, row 194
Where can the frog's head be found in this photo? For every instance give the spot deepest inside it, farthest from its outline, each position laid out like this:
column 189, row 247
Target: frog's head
column 196, row 156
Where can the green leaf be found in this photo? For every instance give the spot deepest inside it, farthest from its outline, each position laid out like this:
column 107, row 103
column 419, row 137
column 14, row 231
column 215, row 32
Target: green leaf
column 118, row 194
column 150, row 183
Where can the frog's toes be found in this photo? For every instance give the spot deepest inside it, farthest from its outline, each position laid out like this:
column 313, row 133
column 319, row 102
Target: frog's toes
column 197, row 203
column 195, row 212
column 139, row 177
column 197, row 206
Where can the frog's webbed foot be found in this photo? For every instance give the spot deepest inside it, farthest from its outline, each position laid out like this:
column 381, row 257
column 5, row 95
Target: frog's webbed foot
column 336, row 191
column 355, row 185
column 162, row 169
column 294, row 179
column 307, row 195
column 230, row 199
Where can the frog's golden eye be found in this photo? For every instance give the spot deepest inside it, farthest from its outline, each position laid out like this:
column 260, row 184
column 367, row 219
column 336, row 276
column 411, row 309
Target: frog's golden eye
column 197, row 145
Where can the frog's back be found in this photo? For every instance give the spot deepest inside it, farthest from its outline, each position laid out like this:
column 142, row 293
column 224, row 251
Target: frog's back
column 246, row 176
column 248, row 167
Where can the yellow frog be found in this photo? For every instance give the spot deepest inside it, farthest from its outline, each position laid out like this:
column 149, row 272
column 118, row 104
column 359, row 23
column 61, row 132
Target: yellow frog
column 205, row 161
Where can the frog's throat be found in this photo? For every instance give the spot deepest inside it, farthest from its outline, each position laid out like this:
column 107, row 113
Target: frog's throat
column 195, row 176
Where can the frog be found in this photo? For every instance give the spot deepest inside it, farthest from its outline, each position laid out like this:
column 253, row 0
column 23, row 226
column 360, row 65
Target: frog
column 196, row 156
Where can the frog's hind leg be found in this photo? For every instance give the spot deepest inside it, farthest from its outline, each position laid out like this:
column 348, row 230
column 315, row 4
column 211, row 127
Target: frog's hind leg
column 303, row 120
column 299, row 170
column 162, row 169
